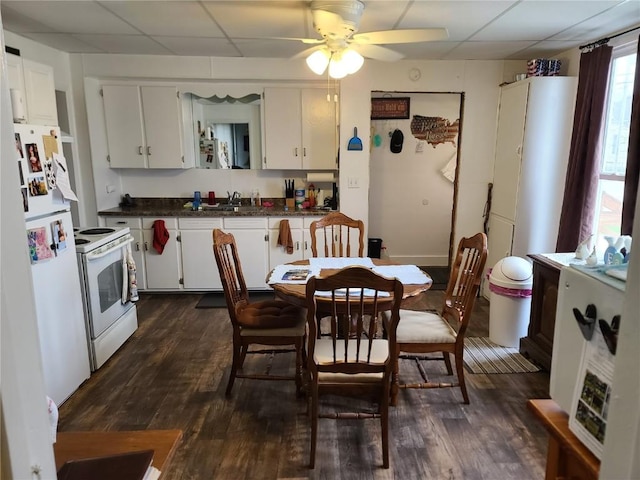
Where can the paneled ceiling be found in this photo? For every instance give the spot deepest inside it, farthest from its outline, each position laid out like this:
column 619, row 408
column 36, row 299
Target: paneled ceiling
column 478, row 29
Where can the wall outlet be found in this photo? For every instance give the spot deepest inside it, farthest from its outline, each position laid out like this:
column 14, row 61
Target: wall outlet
column 111, row 188
column 353, row 182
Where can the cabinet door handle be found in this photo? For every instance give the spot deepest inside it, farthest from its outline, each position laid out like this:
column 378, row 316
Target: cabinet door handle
column 146, row 246
column 295, row 151
column 121, row 222
column 148, row 150
column 140, row 150
column 297, row 246
column 306, row 247
column 137, row 246
column 304, row 151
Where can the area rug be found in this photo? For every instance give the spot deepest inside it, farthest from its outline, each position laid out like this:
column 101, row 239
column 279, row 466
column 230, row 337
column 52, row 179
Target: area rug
column 481, row 355
column 216, row 299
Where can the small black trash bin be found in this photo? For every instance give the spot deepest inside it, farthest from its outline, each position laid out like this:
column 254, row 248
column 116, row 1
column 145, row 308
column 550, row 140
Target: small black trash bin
column 374, row 248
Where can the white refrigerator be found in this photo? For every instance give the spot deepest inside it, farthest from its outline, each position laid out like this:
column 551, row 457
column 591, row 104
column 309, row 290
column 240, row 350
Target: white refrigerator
column 56, row 280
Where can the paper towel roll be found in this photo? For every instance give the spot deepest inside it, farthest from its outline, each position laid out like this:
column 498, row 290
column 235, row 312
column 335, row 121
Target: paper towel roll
column 17, row 106
column 320, row 177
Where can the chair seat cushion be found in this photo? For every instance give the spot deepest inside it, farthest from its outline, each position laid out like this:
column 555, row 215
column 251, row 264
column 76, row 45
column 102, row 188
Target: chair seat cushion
column 270, row 314
column 423, row 327
column 323, row 354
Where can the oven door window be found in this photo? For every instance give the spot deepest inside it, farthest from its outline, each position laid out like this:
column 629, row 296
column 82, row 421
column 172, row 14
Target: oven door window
column 110, row 285
column 104, row 282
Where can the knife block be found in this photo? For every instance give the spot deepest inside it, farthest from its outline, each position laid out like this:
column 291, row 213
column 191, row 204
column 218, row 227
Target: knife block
column 290, row 203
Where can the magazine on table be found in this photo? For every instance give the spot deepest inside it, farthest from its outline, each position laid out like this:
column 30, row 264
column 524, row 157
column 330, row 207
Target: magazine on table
column 300, row 274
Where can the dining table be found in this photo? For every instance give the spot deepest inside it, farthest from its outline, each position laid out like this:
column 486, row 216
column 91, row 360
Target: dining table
column 414, row 281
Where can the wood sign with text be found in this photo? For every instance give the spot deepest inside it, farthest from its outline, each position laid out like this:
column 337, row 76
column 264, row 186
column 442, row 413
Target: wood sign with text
column 389, row 108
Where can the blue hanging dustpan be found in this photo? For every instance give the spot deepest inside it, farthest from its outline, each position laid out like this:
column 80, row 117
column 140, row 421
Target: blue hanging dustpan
column 355, row 143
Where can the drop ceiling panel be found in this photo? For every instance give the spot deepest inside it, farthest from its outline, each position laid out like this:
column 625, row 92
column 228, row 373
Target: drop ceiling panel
column 538, row 20
column 261, row 19
column 382, row 14
column 206, row 47
column 167, row 18
column 21, row 23
column 72, row 17
column 624, row 15
column 424, row 51
column 125, row 44
column 488, row 51
column 64, row 42
column 270, row 48
column 461, row 19
column 544, row 49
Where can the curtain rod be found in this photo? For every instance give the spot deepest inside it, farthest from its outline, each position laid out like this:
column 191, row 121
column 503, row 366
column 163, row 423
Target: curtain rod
column 605, row 40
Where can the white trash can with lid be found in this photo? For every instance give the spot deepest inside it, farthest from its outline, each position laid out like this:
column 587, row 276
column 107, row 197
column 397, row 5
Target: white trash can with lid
column 510, row 283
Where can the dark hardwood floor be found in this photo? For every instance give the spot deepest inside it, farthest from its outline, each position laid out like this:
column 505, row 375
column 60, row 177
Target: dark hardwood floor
column 172, row 373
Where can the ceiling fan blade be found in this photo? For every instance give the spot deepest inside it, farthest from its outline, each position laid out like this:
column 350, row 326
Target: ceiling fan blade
column 306, row 52
column 308, row 41
column 401, row 36
column 377, row 53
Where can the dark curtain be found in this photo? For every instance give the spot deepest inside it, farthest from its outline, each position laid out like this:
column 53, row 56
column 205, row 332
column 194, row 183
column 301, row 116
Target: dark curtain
column 632, row 176
column 580, row 191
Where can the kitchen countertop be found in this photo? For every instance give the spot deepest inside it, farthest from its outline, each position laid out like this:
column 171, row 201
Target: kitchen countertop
column 161, row 207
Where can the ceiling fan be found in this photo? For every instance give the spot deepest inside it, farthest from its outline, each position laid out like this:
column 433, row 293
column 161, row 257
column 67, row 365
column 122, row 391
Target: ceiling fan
column 342, row 48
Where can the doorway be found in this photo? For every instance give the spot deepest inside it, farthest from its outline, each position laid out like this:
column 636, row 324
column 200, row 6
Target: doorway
column 413, row 178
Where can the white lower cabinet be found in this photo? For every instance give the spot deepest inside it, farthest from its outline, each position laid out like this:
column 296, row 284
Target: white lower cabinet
column 251, row 238
column 277, row 254
column 163, row 270
column 199, row 266
column 187, row 261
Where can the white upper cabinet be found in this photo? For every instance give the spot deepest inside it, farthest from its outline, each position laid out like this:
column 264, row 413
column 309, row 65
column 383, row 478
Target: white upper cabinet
column 300, row 129
column 143, row 126
column 36, row 85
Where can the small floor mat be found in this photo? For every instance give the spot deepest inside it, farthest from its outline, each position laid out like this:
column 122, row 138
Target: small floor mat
column 481, row 355
column 217, row 300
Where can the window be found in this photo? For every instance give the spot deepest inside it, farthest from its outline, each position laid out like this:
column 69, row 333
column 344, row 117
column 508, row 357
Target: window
column 615, row 142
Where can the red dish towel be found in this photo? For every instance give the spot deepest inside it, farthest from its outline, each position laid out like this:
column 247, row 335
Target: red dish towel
column 284, row 236
column 160, row 236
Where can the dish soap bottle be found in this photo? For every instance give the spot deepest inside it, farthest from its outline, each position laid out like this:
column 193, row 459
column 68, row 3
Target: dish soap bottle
column 255, row 198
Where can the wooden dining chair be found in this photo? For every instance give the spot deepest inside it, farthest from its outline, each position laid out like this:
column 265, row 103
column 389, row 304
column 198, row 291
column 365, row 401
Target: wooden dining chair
column 422, row 332
column 346, row 365
column 333, row 235
column 269, row 322
column 336, row 234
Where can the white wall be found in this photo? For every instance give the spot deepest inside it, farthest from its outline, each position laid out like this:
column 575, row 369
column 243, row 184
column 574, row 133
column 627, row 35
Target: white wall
column 410, row 200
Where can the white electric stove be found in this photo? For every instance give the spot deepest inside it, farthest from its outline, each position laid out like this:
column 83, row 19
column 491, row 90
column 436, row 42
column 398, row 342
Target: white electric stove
column 110, row 317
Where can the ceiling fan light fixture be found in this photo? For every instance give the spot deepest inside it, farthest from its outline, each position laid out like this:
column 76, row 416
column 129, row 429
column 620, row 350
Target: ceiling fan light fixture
column 353, row 60
column 337, row 68
column 318, row 61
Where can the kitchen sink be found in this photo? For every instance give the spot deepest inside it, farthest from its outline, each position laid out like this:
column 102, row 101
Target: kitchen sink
column 225, row 207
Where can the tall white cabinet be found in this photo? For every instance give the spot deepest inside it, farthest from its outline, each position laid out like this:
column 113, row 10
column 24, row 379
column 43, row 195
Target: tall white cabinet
column 300, row 130
column 36, row 85
column 535, row 122
column 144, row 126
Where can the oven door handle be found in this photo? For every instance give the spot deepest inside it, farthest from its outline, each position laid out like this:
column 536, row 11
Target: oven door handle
column 95, row 256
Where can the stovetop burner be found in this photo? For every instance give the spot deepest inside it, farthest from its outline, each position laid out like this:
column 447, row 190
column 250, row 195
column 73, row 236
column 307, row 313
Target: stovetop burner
column 97, row 231
column 81, row 241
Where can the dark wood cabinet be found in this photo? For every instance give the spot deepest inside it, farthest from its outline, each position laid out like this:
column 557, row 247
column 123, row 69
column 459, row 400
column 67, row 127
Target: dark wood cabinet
column 538, row 344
